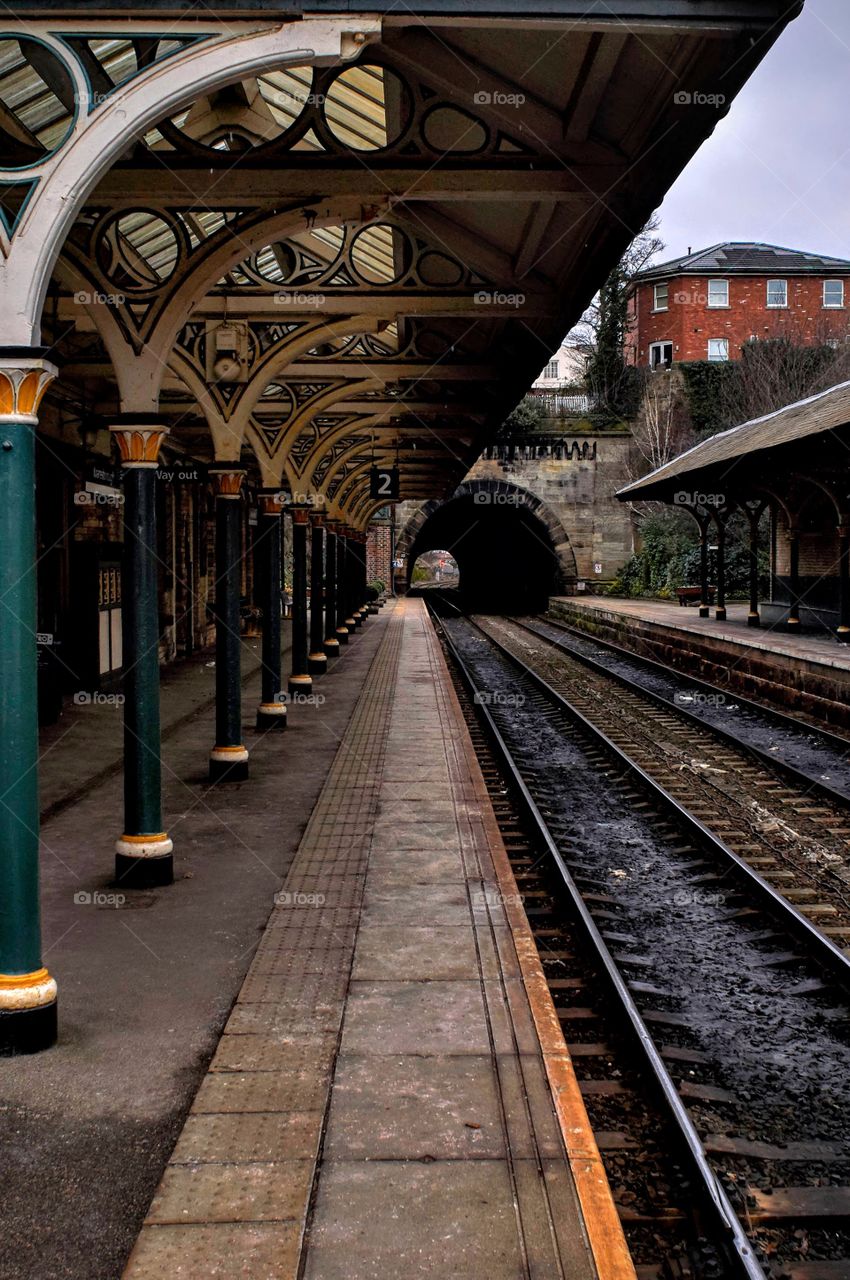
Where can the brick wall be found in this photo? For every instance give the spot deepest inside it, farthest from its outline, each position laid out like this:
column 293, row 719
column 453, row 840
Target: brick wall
column 379, row 553
column 689, row 322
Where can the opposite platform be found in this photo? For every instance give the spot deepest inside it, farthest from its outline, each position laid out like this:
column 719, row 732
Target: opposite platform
column 392, row 1095
column 807, row 674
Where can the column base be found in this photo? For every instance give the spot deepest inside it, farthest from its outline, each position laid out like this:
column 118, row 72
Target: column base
column 144, row 862
column 28, row 1030
column 373, row 608
column 753, row 620
column 317, row 663
column 352, row 624
column 332, row 647
column 842, row 635
column 720, row 615
column 704, row 611
column 271, row 716
column 793, row 624
column 228, row 764
column 342, row 635
column 300, row 686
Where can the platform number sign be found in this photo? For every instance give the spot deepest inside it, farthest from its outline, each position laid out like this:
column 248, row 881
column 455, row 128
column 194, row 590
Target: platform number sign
column 384, row 484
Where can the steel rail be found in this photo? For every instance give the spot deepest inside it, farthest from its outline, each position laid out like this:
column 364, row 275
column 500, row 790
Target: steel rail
column 781, row 718
column 734, row 1241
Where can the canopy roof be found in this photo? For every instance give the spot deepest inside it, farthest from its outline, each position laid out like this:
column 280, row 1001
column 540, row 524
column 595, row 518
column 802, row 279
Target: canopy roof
column 818, row 415
column 393, row 246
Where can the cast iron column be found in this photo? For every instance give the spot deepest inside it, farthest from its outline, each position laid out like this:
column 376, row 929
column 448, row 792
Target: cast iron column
column 27, row 991
column 331, row 645
column 792, row 622
column 229, row 757
column 351, row 620
column 843, row 632
column 143, row 854
column 300, row 682
column 720, row 611
column 362, row 607
column 271, row 713
column 342, row 630
column 753, row 617
column 704, row 607
column 317, row 661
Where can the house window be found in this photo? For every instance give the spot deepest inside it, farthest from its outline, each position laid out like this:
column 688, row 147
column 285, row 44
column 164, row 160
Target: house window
column 718, row 348
column 777, row 293
column 660, row 355
column 833, row 293
column 551, row 370
column 661, row 297
column 718, row 293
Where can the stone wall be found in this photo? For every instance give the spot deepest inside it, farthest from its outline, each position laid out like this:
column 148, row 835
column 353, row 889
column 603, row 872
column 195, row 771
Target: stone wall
column 579, row 488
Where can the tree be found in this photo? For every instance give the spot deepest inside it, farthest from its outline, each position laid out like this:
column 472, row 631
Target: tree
column 774, row 372
column 768, row 374
column 527, row 415
column 614, row 385
column 662, row 427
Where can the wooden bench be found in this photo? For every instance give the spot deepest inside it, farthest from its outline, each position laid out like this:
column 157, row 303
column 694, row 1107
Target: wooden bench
column 693, row 595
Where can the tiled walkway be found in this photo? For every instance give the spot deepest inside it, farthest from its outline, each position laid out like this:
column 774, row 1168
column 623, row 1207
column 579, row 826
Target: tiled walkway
column 391, row 1096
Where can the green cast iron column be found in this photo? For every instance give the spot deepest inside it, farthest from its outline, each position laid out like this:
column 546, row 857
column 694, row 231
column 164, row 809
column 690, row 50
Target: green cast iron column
column 754, row 617
column 27, row 991
column 229, row 757
column 317, row 662
column 792, row 622
column 843, row 631
column 342, row 631
column 361, row 612
column 143, row 856
column 271, row 713
column 704, row 607
column 351, row 620
column 720, row 610
column 331, row 642
column 300, row 682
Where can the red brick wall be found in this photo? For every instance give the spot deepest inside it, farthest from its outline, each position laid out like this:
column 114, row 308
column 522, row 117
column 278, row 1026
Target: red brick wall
column 379, row 553
column 689, row 322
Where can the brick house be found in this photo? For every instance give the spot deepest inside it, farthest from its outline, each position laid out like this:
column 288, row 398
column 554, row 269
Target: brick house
column 706, row 305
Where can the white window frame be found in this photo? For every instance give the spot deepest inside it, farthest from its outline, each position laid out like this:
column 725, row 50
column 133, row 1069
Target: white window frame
column 723, row 343
column 776, row 306
column 833, row 306
column 656, row 305
column 550, row 365
column 661, row 363
column 717, row 306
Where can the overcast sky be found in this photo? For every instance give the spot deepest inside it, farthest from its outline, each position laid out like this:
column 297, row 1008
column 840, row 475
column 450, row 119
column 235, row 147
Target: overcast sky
column 777, row 168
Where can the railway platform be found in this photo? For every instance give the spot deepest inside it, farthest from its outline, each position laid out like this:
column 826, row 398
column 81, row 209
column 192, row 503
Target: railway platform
column 806, row 673
column 392, row 1094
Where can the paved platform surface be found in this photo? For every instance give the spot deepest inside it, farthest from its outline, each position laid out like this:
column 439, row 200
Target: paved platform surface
column 146, row 985
column 810, row 646
column 391, row 1096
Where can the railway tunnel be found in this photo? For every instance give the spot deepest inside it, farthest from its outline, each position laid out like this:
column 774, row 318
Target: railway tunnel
column 512, row 551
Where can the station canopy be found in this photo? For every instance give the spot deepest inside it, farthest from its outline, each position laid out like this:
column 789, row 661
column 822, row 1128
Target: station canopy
column 341, row 262
column 807, row 442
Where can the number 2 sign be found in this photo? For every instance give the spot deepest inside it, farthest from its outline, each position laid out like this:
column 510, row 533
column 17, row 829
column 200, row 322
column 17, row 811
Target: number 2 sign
column 384, row 483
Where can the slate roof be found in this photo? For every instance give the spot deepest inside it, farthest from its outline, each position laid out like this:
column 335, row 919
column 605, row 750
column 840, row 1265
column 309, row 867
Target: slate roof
column 815, row 415
column 745, row 258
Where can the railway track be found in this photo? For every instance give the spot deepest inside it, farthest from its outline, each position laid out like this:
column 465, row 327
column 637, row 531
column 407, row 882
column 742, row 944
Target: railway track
column 706, row 1015
column 791, row 827
column 811, row 751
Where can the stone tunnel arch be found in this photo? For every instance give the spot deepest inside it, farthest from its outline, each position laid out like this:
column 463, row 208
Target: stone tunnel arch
column 512, row 550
